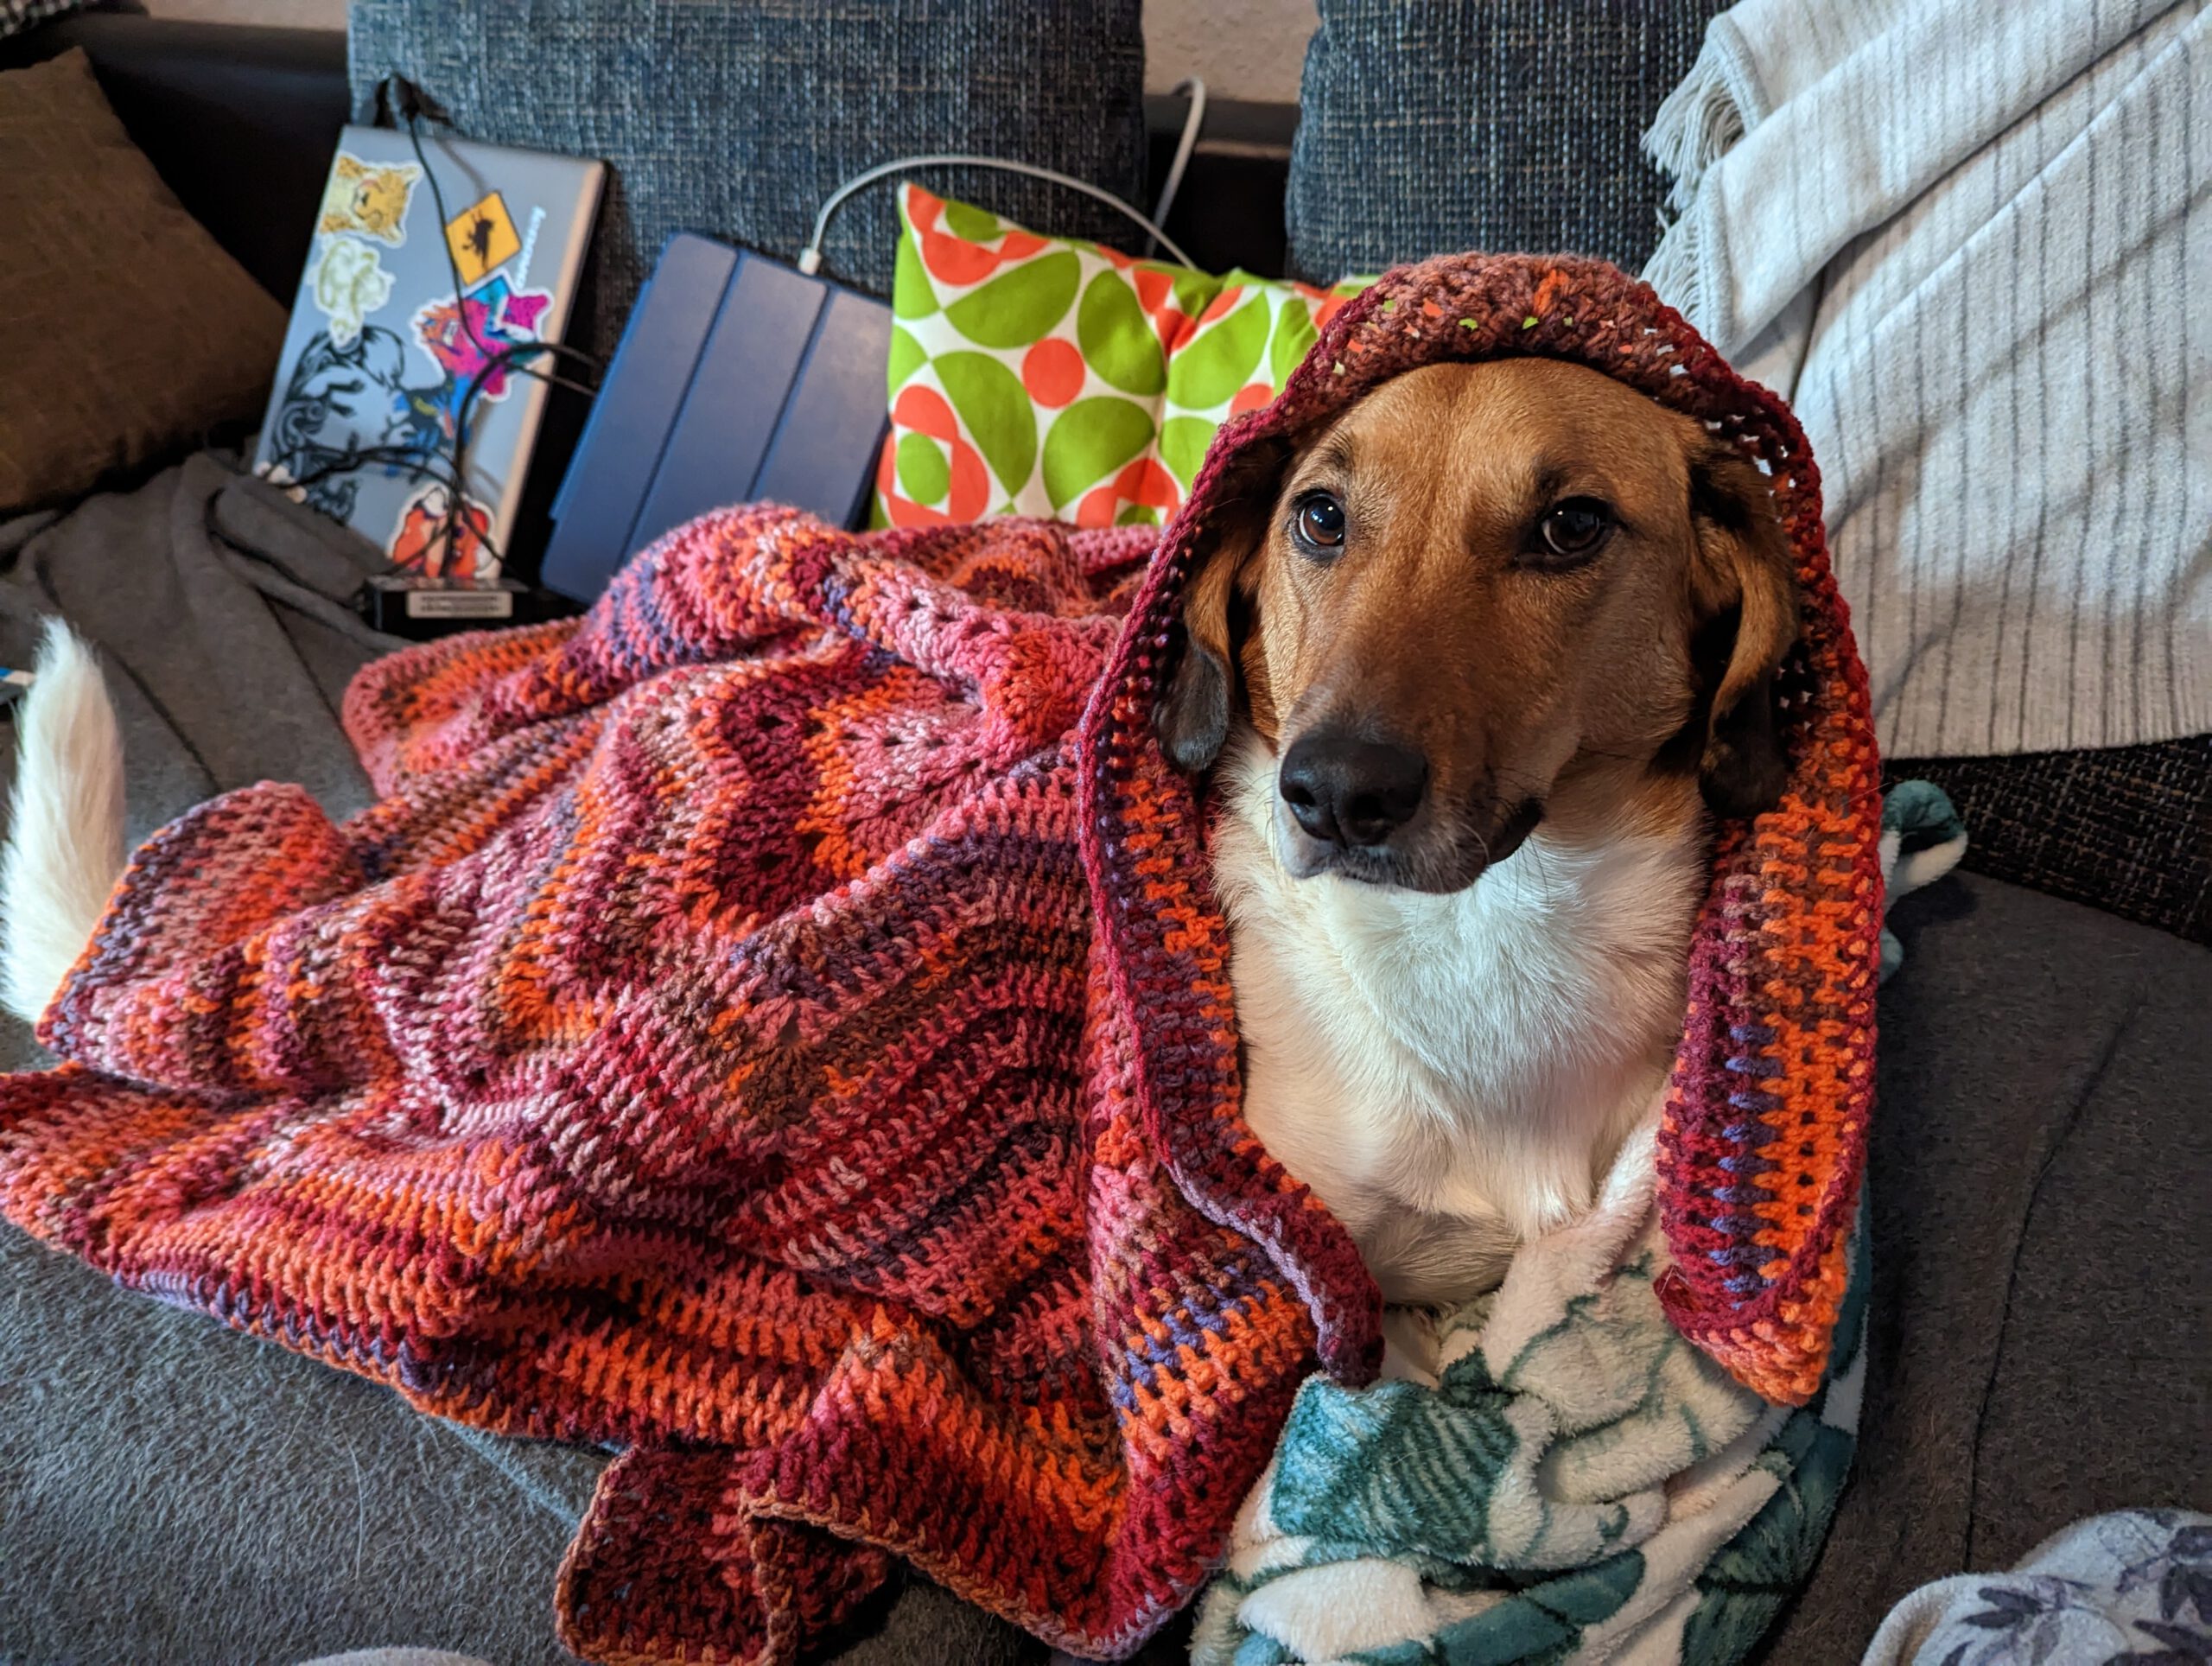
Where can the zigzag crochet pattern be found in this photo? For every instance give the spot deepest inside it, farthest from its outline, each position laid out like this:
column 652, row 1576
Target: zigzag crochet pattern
column 779, row 1025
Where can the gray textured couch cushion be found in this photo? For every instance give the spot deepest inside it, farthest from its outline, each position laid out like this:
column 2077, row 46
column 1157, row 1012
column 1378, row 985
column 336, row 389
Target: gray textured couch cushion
column 2041, row 1329
column 16, row 16
column 173, row 1492
column 738, row 120
column 2124, row 827
column 1431, row 126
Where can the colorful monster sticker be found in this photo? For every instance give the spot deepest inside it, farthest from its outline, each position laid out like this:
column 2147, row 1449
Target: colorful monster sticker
column 369, row 198
column 344, row 402
column 430, row 539
column 482, row 238
column 464, row 336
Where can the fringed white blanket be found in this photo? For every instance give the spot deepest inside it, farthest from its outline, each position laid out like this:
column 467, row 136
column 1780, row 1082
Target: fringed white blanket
column 1960, row 236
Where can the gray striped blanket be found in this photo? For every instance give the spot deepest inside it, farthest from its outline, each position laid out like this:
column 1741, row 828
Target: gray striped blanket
column 1960, row 236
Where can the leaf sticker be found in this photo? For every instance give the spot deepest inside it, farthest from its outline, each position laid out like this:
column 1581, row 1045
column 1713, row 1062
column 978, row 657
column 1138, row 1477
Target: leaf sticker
column 1221, row 359
column 994, row 408
column 907, row 356
column 1183, row 442
column 1021, row 304
column 1089, row 441
column 1116, row 338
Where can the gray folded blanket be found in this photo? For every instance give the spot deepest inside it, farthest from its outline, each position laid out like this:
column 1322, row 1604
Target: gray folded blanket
column 223, row 614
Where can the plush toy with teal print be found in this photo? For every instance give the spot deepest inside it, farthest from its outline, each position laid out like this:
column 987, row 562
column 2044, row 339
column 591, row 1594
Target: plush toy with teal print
column 1923, row 839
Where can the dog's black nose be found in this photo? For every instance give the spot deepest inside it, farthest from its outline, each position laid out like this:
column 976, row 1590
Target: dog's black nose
column 1352, row 792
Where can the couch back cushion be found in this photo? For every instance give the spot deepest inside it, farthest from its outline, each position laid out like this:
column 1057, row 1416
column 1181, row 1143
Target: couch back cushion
column 1433, row 126
column 739, row 120
column 125, row 331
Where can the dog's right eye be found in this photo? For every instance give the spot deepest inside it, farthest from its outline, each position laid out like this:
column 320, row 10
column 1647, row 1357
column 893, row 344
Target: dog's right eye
column 1570, row 534
column 1316, row 521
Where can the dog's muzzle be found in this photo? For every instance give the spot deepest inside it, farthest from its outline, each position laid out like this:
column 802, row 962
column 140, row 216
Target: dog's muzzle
column 1351, row 793
column 1353, row 806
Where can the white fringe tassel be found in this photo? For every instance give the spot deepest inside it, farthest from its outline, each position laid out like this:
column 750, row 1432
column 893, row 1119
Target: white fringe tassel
column 1702, row 119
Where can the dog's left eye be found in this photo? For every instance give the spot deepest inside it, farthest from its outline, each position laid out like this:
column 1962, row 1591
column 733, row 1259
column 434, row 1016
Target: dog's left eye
column 1572, row 531
column 1318, row 522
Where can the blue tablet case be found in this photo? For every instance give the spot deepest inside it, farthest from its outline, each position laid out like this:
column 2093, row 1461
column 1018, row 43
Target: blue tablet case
column 736, row 379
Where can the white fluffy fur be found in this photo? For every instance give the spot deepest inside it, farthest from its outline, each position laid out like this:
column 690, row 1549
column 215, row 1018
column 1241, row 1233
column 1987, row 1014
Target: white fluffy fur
column 1454, row 1074
column 64, row 823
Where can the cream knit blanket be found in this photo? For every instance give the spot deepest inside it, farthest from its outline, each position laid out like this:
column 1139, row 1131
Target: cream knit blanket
column 1960, row 236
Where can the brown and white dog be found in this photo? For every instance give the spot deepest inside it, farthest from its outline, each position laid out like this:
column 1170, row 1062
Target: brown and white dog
column 1472, row 661
column 1475, row 666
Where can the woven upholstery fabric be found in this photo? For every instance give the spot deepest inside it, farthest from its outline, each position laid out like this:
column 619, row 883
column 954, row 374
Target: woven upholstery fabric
column 1431, row 125
column 739, row 120
column 2126, row 828
column 125, row 331
column 782, row 1023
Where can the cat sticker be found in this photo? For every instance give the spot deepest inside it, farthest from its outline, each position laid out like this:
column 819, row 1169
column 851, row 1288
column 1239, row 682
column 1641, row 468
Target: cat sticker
column 369, row 198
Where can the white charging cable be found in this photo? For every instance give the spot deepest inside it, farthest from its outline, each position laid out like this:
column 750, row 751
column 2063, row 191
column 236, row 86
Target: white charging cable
column 809, row 259
column 1191, row 123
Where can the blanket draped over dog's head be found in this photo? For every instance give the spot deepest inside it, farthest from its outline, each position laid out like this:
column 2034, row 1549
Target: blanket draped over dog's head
column 1766, row 1118
column 779, row 1024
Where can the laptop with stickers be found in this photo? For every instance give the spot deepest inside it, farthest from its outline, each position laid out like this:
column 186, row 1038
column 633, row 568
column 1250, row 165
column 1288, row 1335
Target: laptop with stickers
column 391, row 369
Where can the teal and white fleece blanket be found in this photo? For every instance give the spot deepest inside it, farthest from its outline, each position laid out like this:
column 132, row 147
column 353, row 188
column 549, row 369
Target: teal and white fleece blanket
column 1551, row 1473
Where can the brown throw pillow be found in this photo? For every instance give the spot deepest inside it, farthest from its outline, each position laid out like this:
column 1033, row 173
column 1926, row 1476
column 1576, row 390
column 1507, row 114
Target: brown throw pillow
column 125, row 331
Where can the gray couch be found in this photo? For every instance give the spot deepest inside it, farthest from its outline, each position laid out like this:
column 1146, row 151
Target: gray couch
column 170, row 1491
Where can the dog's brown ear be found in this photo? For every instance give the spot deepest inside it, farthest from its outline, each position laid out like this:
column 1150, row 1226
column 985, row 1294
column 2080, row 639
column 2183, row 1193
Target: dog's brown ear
column 1743, row 588
column 1193, row 713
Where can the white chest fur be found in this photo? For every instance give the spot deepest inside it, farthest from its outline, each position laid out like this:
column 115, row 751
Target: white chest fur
column 1453, row 1074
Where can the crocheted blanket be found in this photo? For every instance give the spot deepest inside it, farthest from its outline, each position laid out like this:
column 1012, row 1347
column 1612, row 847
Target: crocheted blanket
column 779, row 1025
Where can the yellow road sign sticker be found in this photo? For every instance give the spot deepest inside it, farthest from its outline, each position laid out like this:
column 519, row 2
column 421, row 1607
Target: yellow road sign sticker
column 482, row 238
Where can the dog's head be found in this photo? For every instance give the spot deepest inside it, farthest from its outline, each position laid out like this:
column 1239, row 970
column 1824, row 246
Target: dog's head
column 1482, row 589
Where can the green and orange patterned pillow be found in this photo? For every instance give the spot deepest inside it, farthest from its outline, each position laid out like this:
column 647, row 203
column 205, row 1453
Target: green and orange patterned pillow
column 1032, row 376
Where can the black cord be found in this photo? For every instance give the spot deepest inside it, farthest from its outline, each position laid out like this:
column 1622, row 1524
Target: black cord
column 398, row 96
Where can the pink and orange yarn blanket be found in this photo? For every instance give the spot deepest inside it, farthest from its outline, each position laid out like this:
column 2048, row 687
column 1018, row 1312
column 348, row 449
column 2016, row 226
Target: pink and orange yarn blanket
column 778, row 1024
